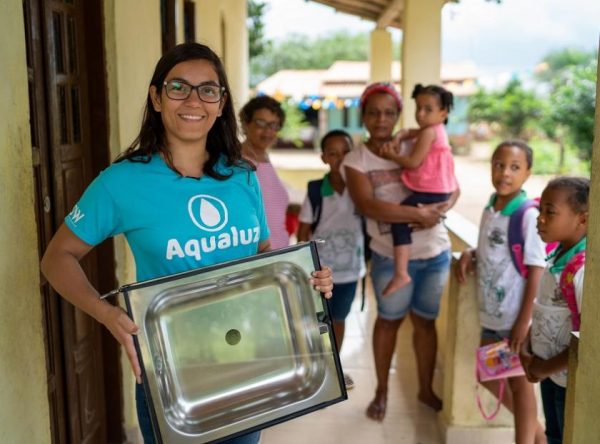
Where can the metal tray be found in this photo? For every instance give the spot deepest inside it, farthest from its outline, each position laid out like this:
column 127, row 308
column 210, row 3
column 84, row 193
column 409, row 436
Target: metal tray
column 236, row 347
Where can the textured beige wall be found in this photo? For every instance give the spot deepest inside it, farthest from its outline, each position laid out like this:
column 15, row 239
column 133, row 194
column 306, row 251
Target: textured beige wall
column 23, row 391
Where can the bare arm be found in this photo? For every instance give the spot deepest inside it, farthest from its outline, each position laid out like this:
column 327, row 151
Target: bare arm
column 543, row 368
column 419, row 151
column 61, row 267
column 361, row 192
column 304, row 232
column 520, row 328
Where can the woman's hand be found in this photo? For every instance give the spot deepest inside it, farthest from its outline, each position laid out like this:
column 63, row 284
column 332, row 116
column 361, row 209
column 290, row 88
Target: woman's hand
column 122, row 328
column 465, row 265
column 430, row 215
column 322, row 281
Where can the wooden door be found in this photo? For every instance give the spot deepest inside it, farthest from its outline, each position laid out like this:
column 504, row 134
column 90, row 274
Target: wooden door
column 69, row 148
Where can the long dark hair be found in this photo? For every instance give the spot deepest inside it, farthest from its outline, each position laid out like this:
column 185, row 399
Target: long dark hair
column 222, row 137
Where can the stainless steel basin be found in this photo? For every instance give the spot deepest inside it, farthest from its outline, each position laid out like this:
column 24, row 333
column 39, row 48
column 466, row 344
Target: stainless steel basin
column 236, row 347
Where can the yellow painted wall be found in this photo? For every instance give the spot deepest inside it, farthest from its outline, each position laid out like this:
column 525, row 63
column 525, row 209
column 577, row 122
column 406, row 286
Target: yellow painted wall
column 133, row 46
column 24, row 414
column 235, row 56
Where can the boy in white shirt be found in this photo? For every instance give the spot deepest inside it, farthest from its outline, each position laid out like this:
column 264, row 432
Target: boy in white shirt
column 336, row 222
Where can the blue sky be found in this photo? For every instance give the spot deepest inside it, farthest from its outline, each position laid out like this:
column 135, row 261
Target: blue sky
column 501, row 39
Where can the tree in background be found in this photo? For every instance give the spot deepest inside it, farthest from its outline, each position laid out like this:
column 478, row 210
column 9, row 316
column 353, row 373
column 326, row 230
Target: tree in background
column 513, row 109
column 569, row 116
column 257, row 43
column 301, row 52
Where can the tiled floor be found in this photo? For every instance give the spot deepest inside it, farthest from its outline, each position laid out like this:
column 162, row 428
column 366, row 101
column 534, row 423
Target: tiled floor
column 407, row 420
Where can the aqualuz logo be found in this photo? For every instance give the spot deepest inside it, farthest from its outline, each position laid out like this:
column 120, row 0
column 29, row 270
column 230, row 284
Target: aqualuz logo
column 210, row 214
column 207, row 212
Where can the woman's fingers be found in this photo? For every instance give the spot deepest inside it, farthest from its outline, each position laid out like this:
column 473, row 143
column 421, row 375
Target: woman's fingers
column 322, row 281
column 122, row 328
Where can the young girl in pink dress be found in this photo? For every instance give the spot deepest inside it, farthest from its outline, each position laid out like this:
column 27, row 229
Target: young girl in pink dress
column 428, row 171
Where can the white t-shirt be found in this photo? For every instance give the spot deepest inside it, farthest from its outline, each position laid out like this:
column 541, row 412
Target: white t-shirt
column 500, row 285
column 340, row 227
column 551, row 326
column 384, row 176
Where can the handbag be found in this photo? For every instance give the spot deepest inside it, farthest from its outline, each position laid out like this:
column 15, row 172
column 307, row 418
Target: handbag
column 496, row 361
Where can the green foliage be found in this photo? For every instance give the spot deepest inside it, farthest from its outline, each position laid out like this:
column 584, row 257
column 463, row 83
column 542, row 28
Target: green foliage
column 555, row 62
column 572, row 106
column 257, row 44
column 301, row 52
column 513, row 108
column 294, row 123
column 547, row 158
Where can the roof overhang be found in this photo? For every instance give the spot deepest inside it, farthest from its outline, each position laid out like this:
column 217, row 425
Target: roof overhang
column 383, row 12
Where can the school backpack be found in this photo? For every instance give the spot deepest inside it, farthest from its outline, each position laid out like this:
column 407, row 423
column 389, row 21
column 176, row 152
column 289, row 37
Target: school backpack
column 516, row 242
column 315, row 197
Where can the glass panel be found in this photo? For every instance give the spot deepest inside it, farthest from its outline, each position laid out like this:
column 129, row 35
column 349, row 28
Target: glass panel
column 58, row 42
column 62, row 113
column 71, row 43
column 75, row 115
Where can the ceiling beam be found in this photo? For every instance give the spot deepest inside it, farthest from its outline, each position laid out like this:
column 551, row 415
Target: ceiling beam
column 390, row 14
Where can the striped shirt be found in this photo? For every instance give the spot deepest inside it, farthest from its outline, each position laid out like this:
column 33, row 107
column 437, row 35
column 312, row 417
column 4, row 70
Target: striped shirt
column 276, row 201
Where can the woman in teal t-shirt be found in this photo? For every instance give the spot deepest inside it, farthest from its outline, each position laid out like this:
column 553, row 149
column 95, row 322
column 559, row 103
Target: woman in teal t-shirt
column 181, row 194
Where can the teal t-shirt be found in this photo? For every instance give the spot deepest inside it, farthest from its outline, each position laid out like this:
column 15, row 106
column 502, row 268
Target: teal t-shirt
column 172, row 223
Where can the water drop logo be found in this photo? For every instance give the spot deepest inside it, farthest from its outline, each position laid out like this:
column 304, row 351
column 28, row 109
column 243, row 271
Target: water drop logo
column 207, row 212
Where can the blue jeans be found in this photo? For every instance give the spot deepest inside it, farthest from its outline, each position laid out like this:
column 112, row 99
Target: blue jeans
column 553, row 399
column 145, row 423
column 421, row 296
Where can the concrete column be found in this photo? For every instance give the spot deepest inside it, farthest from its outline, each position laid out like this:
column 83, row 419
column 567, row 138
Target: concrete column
column 235, row 13
column 208, row 25
column 380, row 56
column 421, row 50
column 582, row 425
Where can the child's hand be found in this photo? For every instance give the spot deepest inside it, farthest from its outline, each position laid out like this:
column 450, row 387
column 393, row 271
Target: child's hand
column 389, row 150
column 526, row 357
column 465, row 265
column 518, row 334
column 536, row 369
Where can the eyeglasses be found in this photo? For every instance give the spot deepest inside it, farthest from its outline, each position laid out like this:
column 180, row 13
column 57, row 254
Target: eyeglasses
column 275, row 126
column 181, row 90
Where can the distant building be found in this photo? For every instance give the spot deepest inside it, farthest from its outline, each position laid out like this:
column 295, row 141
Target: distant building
column 329, row 98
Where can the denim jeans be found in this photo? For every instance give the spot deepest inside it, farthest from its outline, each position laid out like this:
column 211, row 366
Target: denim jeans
column 553, row 398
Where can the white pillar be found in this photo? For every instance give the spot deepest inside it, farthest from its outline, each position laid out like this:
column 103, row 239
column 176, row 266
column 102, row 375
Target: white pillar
column 380, row 56
column 421, row 50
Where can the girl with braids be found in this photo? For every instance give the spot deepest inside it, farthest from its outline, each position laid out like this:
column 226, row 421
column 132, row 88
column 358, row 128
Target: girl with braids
column 428, row 171
column 179, row 186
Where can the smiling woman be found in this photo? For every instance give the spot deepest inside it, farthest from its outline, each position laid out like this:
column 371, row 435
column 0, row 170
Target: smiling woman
column 262, row 118
column 181, row 194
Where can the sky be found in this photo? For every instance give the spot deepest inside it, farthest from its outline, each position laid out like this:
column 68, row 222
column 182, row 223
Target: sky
column 502, row 40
